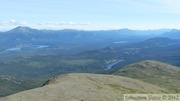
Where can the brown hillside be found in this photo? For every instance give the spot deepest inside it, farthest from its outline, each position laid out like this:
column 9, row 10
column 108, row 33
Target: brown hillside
column 85, row 87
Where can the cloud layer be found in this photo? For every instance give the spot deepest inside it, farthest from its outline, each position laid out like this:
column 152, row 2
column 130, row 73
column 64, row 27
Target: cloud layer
column 63, row 23
column 6, row 25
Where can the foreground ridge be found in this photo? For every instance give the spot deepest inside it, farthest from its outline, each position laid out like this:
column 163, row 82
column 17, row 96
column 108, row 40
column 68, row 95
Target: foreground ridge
column 85, row 87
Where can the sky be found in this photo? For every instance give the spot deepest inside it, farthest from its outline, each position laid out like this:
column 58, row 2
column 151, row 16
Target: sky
column 90, row 14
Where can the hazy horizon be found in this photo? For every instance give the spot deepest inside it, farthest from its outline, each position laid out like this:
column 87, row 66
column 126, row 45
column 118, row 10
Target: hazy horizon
column 87, row 29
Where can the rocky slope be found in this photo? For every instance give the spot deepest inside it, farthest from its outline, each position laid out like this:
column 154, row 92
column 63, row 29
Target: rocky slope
column 85, row 87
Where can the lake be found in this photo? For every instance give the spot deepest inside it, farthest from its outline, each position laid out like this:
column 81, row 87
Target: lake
column 20, row 47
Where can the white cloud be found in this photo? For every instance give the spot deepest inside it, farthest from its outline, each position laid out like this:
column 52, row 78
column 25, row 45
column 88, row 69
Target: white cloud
column 113, row 27
column 43, row 23
column 74, row 23
column 7, row 25
column 14, row 22
column 67, row 23
column 62, row 23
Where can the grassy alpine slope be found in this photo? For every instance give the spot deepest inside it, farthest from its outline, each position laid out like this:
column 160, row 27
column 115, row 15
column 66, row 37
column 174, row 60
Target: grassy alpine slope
column 154, row 72
column 82, row 87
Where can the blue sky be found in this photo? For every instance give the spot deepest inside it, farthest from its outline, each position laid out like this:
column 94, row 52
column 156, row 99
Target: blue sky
column 90, row 14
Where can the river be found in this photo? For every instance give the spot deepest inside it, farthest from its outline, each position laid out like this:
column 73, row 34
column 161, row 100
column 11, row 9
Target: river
column 109, row 66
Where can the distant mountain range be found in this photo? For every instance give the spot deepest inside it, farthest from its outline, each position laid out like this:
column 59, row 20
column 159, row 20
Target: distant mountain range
column 174, row 34
column 26, row 35
column 68, row 41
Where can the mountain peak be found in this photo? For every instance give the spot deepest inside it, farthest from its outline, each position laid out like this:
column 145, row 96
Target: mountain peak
column 21, row 29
